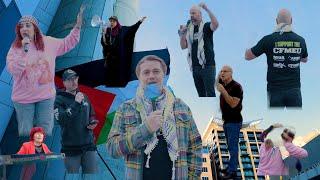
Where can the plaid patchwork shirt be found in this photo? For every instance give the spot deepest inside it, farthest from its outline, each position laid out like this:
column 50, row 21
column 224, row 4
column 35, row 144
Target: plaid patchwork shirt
column 129, row 135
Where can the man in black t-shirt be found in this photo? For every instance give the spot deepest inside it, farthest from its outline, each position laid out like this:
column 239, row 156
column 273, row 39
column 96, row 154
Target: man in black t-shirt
column 284, row 50
column 231, row 96
column 197, row 37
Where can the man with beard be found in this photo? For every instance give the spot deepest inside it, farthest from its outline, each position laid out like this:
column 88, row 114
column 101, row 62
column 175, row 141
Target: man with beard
column 197, row 37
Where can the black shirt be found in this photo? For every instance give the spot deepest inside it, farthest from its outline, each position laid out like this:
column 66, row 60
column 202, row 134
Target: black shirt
column 284, row 52
column 208, row 45
column 229, row 114
column 160, row 162
column 38, row 149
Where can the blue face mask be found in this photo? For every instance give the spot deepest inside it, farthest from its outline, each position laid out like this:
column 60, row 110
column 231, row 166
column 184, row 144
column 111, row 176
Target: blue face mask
column 152, row 91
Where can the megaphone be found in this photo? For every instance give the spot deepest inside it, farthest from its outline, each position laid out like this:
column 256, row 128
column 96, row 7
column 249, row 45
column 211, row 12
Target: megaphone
column 97, row 21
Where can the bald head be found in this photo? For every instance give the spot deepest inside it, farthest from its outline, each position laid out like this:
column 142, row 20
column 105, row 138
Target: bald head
column 284, row 16
column 226, row 74
column 196, row 8
column 195, row 14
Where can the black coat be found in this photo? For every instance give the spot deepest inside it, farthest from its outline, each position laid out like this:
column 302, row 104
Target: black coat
column 117, row 52
column 73, row 119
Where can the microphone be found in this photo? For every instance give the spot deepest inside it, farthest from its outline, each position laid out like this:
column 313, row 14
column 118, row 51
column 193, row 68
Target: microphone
column 154, row 106
column 83, row 102
column 26, row 45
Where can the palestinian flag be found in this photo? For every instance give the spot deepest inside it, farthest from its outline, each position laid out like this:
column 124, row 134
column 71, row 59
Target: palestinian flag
column 106, row 101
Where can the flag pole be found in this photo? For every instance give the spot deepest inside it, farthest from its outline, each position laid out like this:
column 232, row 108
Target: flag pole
column 105, row 163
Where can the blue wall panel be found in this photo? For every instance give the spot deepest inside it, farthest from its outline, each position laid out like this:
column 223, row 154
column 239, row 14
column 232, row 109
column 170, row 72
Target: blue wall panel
column 2, row 6
column 8, row 21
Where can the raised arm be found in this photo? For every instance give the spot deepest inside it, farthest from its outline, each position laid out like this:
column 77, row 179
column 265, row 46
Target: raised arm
column 214, row 22
column 134, row 28
column 69, row 42
column 268, row 130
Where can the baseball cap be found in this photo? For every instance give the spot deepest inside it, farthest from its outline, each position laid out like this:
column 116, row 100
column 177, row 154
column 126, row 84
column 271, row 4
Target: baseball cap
column 67, row 74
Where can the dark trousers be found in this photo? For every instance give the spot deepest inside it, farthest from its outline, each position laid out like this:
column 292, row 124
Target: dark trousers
column 204, row 80
column 231, row 131
column 86, row 160
column 285, row 98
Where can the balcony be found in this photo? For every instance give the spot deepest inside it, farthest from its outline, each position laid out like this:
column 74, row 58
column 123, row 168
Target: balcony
column 224, row 152
column 248, row 173
column 243, row 147
column 255, row 152
column 247, row 166
column 245, row 160
column 242, row 153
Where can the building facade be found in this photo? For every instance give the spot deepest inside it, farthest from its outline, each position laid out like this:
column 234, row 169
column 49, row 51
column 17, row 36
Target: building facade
column 214, row 139
column 311, row 164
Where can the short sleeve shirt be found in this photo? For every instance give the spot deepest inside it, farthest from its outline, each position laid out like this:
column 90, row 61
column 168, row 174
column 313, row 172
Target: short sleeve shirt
column 284, row 53
column 208, row 45
column 229, row 114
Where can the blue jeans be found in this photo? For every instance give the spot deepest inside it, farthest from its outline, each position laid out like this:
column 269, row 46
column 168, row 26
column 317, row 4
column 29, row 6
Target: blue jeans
column 87, row 160
column 285, row 98
column 35, row 114
column 231, row 131
column 204, row 80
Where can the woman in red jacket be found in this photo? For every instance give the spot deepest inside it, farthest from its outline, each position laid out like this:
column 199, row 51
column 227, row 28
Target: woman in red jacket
column 35, row 145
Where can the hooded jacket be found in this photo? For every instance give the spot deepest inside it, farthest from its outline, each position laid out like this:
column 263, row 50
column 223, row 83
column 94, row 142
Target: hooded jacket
column 74, row 118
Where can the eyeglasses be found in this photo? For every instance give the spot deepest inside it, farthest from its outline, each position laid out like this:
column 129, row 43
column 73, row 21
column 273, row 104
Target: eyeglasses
column 224, row 71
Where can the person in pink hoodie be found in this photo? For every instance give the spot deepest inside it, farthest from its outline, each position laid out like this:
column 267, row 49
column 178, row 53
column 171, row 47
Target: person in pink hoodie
column 271, row 162
column 31, row 62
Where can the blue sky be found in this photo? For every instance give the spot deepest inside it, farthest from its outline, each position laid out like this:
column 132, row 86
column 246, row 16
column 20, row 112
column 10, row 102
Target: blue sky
column 242, row 24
